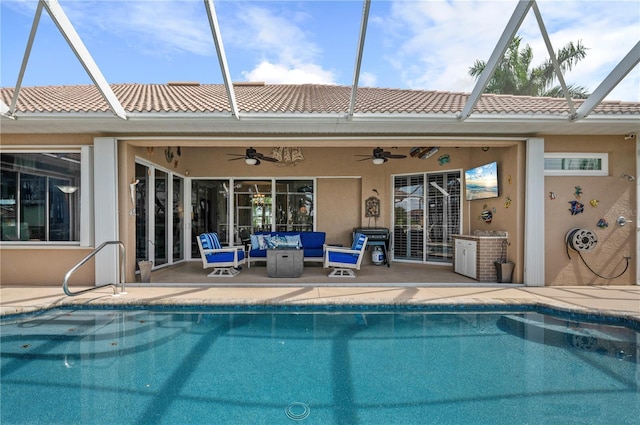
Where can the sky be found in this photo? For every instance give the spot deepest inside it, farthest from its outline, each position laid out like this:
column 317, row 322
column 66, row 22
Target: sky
column 424, row 45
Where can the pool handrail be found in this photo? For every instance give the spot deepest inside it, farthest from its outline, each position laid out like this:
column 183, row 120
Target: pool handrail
column 65, row 286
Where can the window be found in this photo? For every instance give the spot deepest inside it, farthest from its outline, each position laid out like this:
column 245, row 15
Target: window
column 576, row 164
column 40, row 196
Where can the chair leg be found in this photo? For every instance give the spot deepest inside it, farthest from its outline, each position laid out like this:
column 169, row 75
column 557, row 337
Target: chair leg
column 342, row 273
column 223, row 272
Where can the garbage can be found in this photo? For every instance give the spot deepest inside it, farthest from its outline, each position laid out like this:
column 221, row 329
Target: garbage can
column 504, row 271
column 145, row 271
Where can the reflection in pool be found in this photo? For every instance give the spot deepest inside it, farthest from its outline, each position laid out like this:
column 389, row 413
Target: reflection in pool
column 317, row 365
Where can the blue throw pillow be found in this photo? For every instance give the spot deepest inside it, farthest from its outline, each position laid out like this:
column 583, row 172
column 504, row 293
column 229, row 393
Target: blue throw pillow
column 254, row 242
column 358, row 242
column 293, row 241
column 270, row 241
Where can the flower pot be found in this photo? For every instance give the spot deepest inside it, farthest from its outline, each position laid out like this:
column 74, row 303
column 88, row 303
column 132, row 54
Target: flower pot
column 504, row 271
column 145, row 271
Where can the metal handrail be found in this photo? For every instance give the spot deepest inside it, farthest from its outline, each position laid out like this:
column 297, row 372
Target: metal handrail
column 87, row 258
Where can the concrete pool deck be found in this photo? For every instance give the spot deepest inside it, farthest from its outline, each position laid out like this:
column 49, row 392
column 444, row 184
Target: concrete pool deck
column 617, row 301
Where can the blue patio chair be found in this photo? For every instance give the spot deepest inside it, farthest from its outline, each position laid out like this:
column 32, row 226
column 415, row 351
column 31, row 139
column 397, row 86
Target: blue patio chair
column 345, row 260
column 225, row 261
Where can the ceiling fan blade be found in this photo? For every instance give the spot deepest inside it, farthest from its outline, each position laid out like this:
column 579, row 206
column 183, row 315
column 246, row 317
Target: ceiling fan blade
column 368, row 158
column 395, row 156
column 235, row 159
column 268, row 158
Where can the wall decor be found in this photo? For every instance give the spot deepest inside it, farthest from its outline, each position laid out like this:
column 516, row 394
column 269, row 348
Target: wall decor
column 168, row 155
column 578, row 192
column 372, row 207
column 594, row 203
column 576, row 207
column 287, row 156
column 444, row 159
column 552, row 195
column 487, row 216
column 423, row 152
column 602, row 223
column 507, row 202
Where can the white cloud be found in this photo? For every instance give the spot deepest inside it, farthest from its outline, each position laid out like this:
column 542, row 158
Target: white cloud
column 367, row 79
column 283, row 48
column 282, row 74
column 158, row 28
column 436, row 41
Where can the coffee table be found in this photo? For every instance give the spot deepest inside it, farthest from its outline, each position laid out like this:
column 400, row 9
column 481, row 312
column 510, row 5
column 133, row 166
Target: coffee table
column 285, row 262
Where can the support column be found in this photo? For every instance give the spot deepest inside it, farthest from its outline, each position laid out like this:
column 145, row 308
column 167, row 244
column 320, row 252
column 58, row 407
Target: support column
column 105, row 199
column 534, row 229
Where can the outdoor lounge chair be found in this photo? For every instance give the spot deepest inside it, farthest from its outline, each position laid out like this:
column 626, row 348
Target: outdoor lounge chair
column 225, row 261
column 345, row 260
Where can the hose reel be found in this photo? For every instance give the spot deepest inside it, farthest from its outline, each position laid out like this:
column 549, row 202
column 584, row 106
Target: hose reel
column 581, row 240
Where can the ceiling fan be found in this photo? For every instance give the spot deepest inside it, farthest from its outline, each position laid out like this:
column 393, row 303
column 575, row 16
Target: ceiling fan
column 252, row 157
column 380, row 156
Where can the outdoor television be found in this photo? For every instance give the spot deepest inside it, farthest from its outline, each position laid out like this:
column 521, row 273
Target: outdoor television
column 481, row 182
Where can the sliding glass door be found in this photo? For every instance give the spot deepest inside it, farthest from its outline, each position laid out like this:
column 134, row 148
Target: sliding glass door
column 426, row 214
column 159, row 200
column 209, row 211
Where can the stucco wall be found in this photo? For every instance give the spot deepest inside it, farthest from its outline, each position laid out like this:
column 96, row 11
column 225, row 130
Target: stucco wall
column 344, row 183
column 616, row 196
column 43, row 265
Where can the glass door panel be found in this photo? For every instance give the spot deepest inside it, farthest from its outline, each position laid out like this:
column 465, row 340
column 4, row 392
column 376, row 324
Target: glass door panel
column 408, row 217
column 253, row 206
column 209, row 211
column 161, row 217
column 442, row 215
column 294, row 205
column 142, row 234
column 178, row 219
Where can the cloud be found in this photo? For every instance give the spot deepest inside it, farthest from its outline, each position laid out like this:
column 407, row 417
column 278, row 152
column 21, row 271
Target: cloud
column 284, row 51
column 159, row 28
column 435, row 42
column 367, row 79
column 282, row 74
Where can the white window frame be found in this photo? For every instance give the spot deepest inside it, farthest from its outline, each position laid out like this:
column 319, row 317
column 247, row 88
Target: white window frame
column 602, row 156
column 85, row 237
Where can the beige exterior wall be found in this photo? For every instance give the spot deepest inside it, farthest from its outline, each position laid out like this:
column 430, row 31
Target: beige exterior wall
column 344, row 183
column 42, row 265
column 616, row 196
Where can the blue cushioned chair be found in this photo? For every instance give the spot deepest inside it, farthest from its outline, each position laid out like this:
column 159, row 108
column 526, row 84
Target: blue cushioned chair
column 345, row 260
column 225, row 261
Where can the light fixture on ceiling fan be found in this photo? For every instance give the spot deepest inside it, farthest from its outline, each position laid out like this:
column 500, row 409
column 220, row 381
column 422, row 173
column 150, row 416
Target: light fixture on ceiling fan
column 380, row 156
column 252, row 157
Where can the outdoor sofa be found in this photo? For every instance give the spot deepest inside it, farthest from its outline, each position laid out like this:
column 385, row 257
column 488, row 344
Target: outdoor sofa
column 311, row 243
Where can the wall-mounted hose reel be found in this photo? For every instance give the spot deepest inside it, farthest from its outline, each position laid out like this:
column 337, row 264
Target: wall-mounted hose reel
column 581, row 240
column 584, row 240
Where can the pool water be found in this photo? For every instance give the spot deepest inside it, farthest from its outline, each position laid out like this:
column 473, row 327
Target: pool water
column 316, row 367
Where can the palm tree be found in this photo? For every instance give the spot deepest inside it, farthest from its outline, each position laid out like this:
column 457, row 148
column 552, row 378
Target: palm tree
column 513, row 76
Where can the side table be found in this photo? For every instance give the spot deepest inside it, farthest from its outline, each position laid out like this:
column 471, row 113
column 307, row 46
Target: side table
column 285, row 262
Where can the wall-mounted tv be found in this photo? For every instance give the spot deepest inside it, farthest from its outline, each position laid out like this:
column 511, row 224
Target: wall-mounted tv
column 481, row 182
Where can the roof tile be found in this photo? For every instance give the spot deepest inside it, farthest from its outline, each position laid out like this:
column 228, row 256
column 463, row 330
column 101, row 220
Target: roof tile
column 286, row 98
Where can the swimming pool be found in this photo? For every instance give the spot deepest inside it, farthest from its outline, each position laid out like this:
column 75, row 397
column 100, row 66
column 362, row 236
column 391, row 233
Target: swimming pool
column 318, row 365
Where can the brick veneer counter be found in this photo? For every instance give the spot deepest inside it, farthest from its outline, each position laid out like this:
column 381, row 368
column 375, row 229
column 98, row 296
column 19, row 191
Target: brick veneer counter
column 488, row 250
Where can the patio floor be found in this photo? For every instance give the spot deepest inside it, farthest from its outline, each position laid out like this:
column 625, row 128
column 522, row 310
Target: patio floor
column 399, row 284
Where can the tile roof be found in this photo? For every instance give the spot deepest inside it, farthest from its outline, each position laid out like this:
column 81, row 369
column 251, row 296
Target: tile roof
column 285, row 98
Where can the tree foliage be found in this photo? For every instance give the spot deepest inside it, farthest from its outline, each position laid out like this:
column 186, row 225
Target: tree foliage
column 514, row 74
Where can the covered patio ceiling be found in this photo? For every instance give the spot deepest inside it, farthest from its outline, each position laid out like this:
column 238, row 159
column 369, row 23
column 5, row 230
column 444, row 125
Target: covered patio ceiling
column 466, row 122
